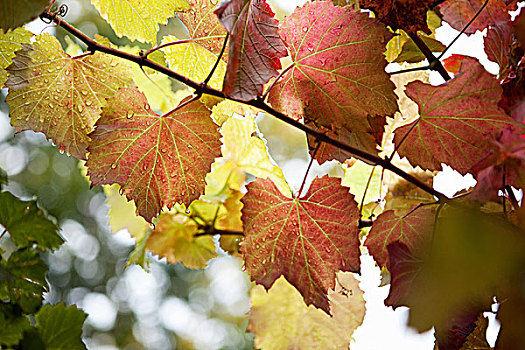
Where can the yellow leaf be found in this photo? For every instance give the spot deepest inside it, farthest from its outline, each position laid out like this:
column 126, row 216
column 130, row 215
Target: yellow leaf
column 10, row 42
column 281, row 320
column 138, row 19
column 174, row 238
column 122, row 213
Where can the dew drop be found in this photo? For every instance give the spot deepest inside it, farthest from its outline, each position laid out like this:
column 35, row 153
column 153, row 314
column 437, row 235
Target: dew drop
column 305, row 29
column 113, row 166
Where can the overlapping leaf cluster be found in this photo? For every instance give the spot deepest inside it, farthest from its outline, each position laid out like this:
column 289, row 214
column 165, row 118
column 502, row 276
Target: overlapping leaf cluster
column 184, row 162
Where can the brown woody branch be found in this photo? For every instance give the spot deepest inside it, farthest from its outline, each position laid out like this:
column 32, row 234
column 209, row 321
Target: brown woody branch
column 433, row 62
column 259, row 103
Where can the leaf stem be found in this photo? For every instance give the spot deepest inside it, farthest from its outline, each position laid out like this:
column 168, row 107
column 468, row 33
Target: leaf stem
column 145, row 54
column 408, row 70
column 210, row 231
column 433, row 62
column 317, row 145
column 464, row 29
column 258, row 103
column 276, row 80
column 219, row 57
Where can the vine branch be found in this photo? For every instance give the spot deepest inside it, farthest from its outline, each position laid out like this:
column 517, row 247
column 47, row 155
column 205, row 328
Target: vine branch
column 200, row 88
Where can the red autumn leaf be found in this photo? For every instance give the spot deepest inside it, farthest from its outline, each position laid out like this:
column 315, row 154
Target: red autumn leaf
column 506, row 161
column 307, row 240
column 404, row 269
column 513, row 101
column 411, row 229
column 454, row 334
column 458, row 13
column 408, row 15
column 519, row 29
column 498, row 46
column 453, row 63
column 457, row 120
column 337, row 79
column 255, row 47
column 157, row 160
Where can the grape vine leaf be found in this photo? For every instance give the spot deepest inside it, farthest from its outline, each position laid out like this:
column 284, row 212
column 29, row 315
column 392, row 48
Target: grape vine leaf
column 357, row 177
column 280, row 319
column 511, row 315
column 59, row 95
column 23, row 279
column 464, row 267
column 407, row 15
column 459, row 12
column 307, row 240
column 157, row 160
column 498, row 45
column 60, row 327
column 337, row 78
column 194, row 61
column 519, row 29
column 14, row 13
column 456, row 120
column 454, row 334
column 255, row 48
column 138, row 19
column 173, row 238
column 410, row 53
column 477, row 339
column 504, row 165
column 203, row 25
column 10, row 42
column 122, row 213
column 247, row 152
column 27, row 224
column 12, row 325
column 404, row 267
column 412, row 229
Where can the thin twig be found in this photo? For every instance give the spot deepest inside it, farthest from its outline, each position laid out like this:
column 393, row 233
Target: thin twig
column 366, row 190
column 145, row 54
column 3, row 233
column 208, row 78
column 512, row 197
column 276, row 80
column 463, row 30
column 433, row 61
column 408, row 70
column 317, row 145
column 258, row 103
column 183, row 104
column 210, row 231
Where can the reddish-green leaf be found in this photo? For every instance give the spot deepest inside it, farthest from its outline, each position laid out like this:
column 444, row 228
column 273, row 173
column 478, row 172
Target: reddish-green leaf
column 404, row 269
column 412, row 229
column 307, row 240
column 203, row 25
column 10, row 42
column 338, row 78
column 402, row 14
column 477, row 339
column 61, row 96
column 505, row 165
column 255, row 47
column 498, row 46
column 458, row 13
column 157, row 160
column 456, row 120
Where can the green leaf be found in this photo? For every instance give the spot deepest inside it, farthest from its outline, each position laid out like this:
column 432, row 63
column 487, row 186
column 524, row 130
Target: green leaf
column 60, row 327
column 307, row 240
column 12, row 325
column 174, row 238
column 138, row 19
column 27, row 224
column 59, row 95
column 14, row 13
column 357, row 177
column 411, row 53
column 10, row 42
column 281, row 320
column 122, row 213
column 23, row 279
